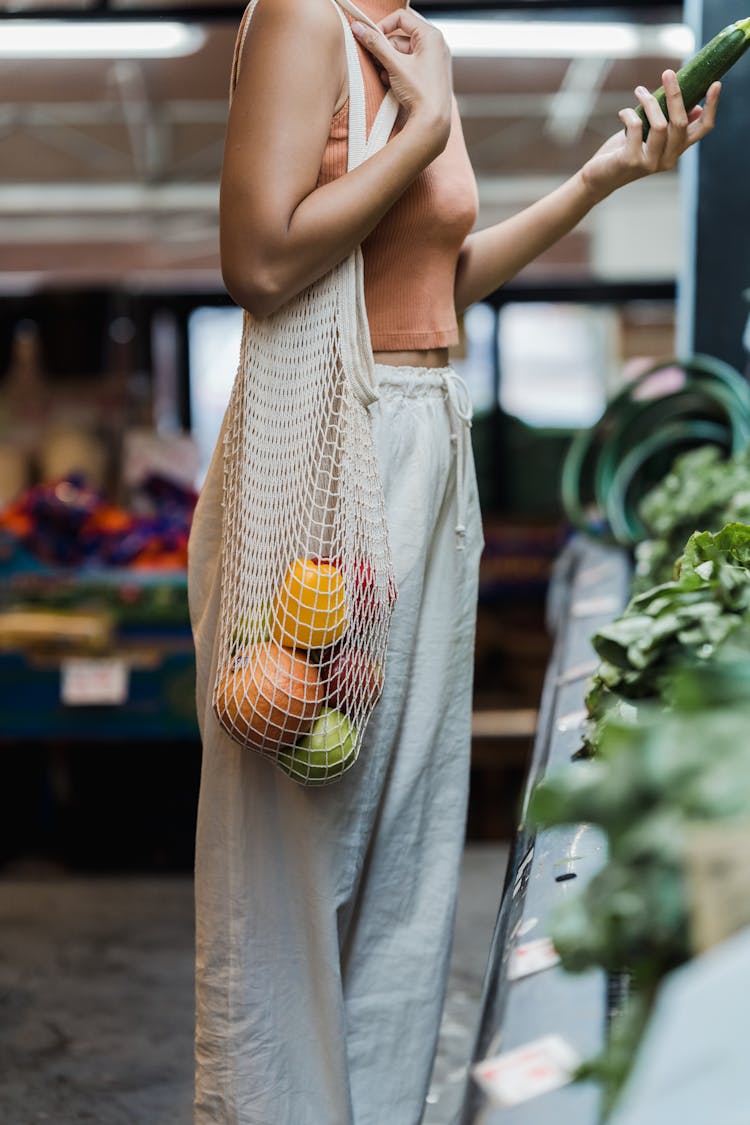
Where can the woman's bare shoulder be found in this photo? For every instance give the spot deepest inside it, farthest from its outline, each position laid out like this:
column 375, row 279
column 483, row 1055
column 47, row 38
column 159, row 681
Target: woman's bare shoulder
column 285, row 34
column 299, row 17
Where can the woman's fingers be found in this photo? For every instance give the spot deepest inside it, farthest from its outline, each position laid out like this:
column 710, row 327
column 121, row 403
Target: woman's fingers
column 417, row 65
column 676, row 111
column 705, row 118
column 656, row 142
column 633, row 137
column 401, row 43
column 672, row 133
column 403, row 20
column 677, row 134
column 625, row 157
column 375, row 42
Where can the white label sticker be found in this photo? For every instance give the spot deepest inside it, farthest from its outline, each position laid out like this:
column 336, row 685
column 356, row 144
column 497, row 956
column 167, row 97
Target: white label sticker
column 532, row 957
column 536, row 1068
column 91, row 683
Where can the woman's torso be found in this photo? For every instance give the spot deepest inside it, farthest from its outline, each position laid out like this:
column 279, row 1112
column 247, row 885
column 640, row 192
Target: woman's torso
column 411, row 256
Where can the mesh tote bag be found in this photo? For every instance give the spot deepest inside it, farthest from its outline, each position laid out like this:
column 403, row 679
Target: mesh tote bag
column 307, row 579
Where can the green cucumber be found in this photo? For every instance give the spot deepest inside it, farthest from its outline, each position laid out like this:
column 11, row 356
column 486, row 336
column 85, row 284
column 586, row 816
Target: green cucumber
column 711, row 62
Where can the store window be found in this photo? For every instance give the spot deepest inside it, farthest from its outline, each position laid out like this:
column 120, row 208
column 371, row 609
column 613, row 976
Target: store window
column 477, row 365
column 214, row 336
column 556, row 362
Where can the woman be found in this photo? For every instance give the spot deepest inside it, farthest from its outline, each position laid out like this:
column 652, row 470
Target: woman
column 324, row 916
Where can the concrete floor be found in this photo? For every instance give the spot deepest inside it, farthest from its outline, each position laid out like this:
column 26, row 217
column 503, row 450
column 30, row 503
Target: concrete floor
column 96, row 995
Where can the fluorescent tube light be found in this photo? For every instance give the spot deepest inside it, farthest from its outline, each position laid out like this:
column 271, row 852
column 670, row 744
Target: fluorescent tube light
column 98, row 39
column 484, row 38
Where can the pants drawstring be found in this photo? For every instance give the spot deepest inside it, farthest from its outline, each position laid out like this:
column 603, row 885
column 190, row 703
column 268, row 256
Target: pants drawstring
column 458, row 402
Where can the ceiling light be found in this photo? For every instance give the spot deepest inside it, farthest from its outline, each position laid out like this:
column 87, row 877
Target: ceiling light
column 99, row 39
column 570, row 39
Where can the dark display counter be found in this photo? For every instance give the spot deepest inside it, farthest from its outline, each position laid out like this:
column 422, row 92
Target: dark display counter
column 589, row 588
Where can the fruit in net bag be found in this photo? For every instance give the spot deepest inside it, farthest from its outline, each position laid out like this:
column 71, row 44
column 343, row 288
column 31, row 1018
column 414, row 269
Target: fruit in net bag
column 325, row 751
column 310, row 610
column 269, row 697
column 351, row 679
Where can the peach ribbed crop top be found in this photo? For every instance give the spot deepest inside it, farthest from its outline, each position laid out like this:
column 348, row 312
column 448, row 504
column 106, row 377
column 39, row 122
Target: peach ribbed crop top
column 410, row 258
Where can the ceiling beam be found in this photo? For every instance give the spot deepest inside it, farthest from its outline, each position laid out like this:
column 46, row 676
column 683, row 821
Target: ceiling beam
column 576, row 100
column 124, row 198
column 178, row 111
column 222, row 12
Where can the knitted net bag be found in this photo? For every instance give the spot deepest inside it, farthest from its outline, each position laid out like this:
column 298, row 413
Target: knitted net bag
column 307, row 579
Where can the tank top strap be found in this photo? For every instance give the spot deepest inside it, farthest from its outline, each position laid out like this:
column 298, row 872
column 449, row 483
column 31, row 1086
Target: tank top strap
column 360, row 145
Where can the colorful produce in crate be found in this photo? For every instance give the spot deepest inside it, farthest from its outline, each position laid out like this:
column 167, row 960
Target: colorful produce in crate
column 310, row 610
column 269, row 697
column 323, row 753
column 712, row 61
column 66, row 523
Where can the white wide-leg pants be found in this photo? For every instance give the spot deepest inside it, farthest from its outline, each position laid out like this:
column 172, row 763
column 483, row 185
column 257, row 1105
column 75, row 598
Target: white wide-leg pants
column 325, row 915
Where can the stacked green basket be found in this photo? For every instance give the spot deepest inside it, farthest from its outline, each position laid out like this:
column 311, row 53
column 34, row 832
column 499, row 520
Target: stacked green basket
column 610, row 467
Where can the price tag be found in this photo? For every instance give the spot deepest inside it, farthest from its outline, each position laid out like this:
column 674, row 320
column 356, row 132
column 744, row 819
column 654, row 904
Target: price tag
column 536, row 1068
column 92, row 683
column 717, row 873
column 532, row 957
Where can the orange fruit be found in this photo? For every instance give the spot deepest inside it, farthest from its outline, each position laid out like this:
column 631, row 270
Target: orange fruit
column 268, row 697
column 310, row 609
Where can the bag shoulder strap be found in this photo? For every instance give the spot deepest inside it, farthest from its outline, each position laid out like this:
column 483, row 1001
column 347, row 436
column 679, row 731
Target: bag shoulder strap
column 360, row 145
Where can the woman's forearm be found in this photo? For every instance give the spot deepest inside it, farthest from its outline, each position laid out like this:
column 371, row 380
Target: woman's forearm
column 493, row 256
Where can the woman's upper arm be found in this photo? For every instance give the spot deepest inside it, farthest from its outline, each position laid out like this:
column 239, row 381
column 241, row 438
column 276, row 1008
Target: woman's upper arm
column 292, row 72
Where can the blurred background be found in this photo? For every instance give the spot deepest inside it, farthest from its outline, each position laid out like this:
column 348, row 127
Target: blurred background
column 118, row 347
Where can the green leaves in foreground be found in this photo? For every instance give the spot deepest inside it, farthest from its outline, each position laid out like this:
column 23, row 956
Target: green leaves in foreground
column 653, row 781
column 702, row 489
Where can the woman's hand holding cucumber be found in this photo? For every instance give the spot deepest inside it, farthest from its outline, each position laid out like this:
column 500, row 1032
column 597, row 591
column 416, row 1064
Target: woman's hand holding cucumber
column 670, row 120
column 626, row 156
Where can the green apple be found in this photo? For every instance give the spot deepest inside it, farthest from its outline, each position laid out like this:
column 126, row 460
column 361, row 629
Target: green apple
column 322, row 754
column 252, row 628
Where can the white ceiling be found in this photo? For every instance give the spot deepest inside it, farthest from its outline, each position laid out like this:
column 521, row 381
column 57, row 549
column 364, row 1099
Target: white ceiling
column 109, row 168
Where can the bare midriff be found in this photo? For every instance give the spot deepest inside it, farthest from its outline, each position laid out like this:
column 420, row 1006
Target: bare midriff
column 433, row 357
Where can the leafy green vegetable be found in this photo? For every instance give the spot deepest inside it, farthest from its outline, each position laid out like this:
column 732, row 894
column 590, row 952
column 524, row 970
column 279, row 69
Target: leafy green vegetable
column 657, row 774
column 687, row 620
column 702, row 490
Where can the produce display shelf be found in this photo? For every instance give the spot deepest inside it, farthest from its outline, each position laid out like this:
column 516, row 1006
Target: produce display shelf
column 146, row 666
column 158, row 703
column 589, row 588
